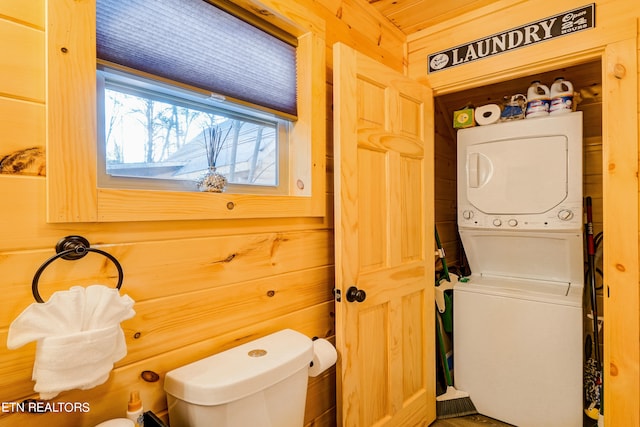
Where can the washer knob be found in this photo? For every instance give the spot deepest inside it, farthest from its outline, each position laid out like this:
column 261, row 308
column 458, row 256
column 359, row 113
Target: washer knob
column 497, row 222
column 467, row 214
column 513, row 222
column 565, row 214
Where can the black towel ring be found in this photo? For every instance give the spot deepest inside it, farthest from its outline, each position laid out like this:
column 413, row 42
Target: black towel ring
column 72, row 248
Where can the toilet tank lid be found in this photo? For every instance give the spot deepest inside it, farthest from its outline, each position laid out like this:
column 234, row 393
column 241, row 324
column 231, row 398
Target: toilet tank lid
column 241, row 371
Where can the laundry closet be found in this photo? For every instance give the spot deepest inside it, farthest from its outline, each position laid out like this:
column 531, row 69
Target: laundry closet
column 504, row 313
column 608, row 53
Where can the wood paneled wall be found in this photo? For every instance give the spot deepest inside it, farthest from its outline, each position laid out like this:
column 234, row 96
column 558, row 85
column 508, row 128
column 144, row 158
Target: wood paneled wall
column 200, row 286
column 445, row 203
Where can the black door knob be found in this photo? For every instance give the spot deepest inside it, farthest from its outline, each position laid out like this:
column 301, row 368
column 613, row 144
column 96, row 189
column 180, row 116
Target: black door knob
column 355, row 294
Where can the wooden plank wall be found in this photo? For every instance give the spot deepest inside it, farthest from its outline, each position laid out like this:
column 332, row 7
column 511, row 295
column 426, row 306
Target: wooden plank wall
column 446, row 185
column 200, row 286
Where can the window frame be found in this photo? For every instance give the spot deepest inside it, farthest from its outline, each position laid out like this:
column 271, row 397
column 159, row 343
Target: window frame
column 73, row 194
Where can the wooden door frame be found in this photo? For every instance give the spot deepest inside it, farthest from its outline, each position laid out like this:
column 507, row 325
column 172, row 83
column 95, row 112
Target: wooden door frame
column 620, row 212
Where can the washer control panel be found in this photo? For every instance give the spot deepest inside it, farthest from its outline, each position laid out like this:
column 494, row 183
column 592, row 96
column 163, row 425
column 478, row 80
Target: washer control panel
column 564, row 217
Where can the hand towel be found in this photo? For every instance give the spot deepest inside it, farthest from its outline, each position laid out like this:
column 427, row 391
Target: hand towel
column 78, row 337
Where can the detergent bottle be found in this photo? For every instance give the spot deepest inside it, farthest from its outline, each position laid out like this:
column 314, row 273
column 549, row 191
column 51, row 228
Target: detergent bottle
column 537, row 100
column 561, row 96
column 514, row 107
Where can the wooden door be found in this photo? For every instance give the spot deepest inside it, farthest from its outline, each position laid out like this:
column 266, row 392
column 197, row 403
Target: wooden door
column 383, row 157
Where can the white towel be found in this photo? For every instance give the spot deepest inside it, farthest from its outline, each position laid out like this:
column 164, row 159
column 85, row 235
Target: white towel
column 78, row 336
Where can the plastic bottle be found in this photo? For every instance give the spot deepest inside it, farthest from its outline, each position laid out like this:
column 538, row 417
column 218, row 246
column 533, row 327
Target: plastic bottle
column 134, row 409
column 561, row 96
column 537, row 100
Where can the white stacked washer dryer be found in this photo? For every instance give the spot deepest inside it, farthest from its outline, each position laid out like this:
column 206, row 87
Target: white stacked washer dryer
column 518, row 317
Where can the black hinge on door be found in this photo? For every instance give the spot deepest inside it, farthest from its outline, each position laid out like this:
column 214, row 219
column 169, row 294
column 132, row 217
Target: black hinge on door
column 337, row 294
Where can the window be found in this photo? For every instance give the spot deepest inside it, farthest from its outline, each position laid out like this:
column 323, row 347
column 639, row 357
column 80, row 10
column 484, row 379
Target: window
column 154, row 136
column 73, row 191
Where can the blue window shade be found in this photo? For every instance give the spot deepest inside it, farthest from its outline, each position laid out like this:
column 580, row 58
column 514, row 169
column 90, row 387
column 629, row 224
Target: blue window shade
column 195, row 43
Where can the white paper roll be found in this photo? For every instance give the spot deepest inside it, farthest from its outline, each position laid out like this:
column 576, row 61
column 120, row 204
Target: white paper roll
column 324, row 357
column 487, row 114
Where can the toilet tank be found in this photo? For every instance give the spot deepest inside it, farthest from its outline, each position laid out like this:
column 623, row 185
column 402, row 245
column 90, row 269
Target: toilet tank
column 262, row 383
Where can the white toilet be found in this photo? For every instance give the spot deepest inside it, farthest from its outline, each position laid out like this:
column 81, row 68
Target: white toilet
column 262, row 383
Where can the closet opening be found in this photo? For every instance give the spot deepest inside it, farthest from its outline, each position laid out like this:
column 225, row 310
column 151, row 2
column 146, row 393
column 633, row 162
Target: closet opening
column 587, row 83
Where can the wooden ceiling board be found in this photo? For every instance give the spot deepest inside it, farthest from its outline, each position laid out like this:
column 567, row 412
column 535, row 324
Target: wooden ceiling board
column 411, row 16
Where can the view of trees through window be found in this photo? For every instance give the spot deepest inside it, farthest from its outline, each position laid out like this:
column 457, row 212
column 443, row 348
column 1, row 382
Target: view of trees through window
column 151, row 137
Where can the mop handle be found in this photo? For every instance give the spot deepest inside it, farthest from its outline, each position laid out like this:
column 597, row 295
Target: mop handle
column 443, row 354
column 445, row 269
column 590, row 246
column 592, row 276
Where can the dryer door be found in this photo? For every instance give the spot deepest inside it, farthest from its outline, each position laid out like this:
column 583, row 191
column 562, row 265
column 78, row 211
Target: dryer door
column 518, row 175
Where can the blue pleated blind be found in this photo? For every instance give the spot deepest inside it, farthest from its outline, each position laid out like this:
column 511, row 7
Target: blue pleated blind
column 195, row 43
